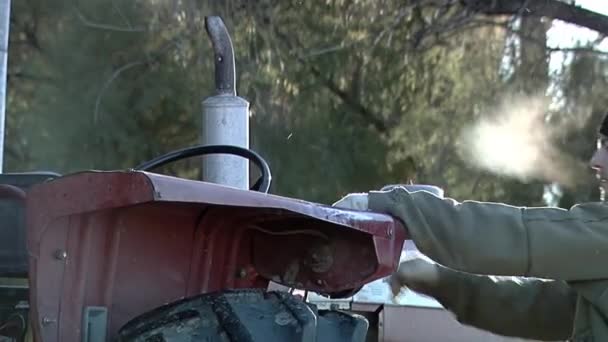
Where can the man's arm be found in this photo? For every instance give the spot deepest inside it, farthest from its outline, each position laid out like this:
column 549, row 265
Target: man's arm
column 492, row 238
column 520, row 307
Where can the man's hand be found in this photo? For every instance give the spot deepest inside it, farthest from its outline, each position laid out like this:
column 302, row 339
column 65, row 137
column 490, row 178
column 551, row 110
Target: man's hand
column 417, row 274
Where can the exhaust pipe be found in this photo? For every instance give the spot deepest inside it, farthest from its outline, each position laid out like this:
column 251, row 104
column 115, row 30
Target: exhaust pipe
column 225, row 115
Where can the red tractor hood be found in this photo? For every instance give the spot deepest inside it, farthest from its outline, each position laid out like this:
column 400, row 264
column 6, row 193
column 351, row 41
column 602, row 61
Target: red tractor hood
column 132, row 241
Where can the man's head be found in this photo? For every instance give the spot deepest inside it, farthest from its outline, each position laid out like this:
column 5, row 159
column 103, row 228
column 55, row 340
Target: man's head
column 599, row 161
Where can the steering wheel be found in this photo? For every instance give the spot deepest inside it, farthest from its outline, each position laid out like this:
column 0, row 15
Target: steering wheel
column 261, row 185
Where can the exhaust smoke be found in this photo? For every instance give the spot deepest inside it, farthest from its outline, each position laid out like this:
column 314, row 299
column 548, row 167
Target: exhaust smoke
column 517, row 141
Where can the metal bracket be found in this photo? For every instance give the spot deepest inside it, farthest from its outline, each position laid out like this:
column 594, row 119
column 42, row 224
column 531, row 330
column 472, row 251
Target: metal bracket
column 94, row 324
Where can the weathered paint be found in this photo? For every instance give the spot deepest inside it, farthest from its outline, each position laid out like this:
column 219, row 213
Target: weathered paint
column 132, row 241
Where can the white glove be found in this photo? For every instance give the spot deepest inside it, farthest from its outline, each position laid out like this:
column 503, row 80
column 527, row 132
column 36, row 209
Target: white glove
column 417, row 274
column 355, row 201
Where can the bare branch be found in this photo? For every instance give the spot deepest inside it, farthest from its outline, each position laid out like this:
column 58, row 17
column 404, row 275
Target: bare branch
column 144, row 61
column 31, row 77
column 124, row 18
column 441, row 30
column 322, row 51
column 402, row 13
column 481, row 22
column 91, row 24
column 373, row 118
column 554, row 9
column 109, row 82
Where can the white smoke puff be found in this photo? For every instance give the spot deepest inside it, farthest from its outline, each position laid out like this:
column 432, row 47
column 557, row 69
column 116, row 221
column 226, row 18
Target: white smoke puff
column 517, row 141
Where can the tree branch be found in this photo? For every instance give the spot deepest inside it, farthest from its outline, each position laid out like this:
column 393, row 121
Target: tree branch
column 91, row 24
column 357, row 106
column 144, row 61
column 541, row 8
column 109, row 81
column 124, row 18
column 378, row 123
column 31, row 77
column 550, row 49
column 441, row 31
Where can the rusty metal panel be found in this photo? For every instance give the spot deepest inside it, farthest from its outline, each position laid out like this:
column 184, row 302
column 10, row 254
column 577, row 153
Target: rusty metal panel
column 45, row 304
column 308, row 261
column 132, row 241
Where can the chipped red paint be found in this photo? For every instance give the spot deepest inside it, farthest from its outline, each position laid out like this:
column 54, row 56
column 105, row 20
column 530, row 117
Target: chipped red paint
column 131, row 241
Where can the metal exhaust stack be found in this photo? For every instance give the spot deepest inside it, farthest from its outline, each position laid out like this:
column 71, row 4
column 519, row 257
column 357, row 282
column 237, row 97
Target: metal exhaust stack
column 5, row 12
column 225, row 115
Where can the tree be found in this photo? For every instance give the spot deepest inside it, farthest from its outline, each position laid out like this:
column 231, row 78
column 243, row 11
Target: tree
column 345, row 96
column 554, row 9
column 450, row 17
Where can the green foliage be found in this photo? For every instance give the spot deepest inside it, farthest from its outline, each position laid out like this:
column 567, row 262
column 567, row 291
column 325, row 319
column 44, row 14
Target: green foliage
column 345, row 95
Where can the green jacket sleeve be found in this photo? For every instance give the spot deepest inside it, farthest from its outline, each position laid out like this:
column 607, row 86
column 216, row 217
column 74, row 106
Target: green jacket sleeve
column 520, row 307
column 498, row 239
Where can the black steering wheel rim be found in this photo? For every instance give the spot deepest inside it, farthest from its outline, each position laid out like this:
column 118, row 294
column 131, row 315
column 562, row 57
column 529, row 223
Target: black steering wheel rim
column 261, row 185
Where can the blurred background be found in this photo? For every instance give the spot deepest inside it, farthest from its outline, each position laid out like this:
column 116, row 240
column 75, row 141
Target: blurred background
column 346, row 95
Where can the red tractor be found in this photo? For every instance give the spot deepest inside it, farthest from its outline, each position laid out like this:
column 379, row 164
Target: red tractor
column 132, row 255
